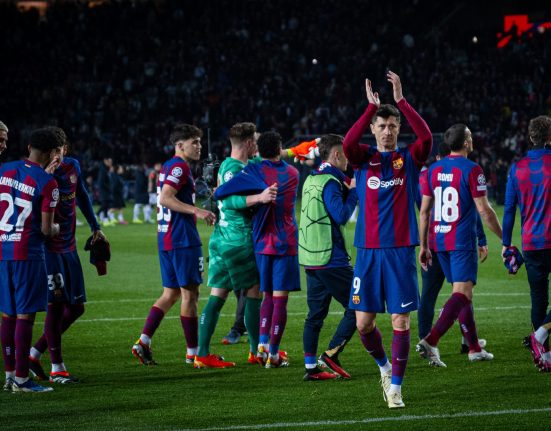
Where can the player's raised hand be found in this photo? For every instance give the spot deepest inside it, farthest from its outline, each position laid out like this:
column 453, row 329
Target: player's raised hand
column 269, row 194
column 482, row 252
column 206, row 215
column 425, row 258
column 372, row 97
column 307, row 150
column 396, row 85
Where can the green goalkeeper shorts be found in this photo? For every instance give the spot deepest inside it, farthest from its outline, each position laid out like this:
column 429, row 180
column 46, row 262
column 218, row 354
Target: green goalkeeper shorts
column 232, row 266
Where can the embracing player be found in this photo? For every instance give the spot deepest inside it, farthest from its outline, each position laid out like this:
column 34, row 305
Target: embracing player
column 28, row 197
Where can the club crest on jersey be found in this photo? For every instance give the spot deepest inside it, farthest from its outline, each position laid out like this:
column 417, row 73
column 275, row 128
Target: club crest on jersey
column 73, row 179
column 176, row 172
column 398, row 163
column 228, row 176
column 355, row 299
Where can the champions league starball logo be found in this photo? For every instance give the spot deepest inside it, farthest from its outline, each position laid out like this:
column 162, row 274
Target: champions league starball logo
column 228, row 176
column 177, row 172
column 55, row 194
column 481, row 179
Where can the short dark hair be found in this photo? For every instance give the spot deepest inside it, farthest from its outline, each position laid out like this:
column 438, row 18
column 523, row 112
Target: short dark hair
column 327, row 143
column 46, row 139
column 386, row 111
column 539, row 130
column 444, row 149
column 269, row 145
column 183, row 132
column 455, row 136
column 240, row 132
column 61, row 133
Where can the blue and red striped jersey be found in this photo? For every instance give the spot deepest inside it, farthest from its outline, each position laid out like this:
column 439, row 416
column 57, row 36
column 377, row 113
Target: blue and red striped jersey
column 72, row 190
column 26, row 191
column 387, row 183
column 275, row 230
column 175, row 229
column 454, row 182
column 529, row 186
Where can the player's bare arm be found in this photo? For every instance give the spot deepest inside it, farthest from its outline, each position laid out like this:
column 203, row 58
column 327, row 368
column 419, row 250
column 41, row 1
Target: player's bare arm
column 268, row 195
column 48, row 227
column 169, row 200
column 488, row 215
column 425, row 255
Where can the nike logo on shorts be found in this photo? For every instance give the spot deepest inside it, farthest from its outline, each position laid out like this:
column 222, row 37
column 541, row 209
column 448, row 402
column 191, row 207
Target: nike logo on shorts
column 405, row 305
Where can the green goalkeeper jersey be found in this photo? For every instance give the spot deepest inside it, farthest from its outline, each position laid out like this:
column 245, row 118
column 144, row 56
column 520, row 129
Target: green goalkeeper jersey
column 234, row 220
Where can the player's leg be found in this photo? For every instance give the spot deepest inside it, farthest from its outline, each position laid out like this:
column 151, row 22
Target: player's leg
column 264, row 265
column 253, row 302
column 238, row 327
column 538, row 266
column 7, row 338
column 30, row 296
column 339, row 283
column 147, row 211
column 432, row 281
column 136, row 213
column 189, row 321
column 171, row 293
column 285, row 279
column 318, row 300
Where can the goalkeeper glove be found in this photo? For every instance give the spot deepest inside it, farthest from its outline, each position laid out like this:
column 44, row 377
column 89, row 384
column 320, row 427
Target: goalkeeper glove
column 307, row 150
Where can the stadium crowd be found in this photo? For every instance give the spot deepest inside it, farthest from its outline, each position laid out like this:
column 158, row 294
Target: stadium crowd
column 120, row 90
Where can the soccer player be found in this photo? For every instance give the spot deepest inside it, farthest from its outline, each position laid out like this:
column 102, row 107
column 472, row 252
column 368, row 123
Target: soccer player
column 275, row 241
column 116, row 215
column 28, row 197
column 3, row 137
column 141, row 197
column 328, row 200
column 529, row 187
column 387, row 181
column 232, row 263
column 231, row 256
column 455, row 190
column 433, row 278
column 104, row 186
column 179, row 244
column 66, row 294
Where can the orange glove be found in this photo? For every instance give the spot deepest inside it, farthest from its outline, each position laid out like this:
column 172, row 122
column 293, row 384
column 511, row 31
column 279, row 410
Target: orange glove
column 307, row 150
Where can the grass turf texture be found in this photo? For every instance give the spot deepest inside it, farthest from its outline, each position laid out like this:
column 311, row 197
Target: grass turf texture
column 118, row 394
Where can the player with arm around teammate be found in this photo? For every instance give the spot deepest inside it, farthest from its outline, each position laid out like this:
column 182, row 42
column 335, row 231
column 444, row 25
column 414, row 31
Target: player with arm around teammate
column 179, row 244
column 454, row 191
column 387, row 179
column 28, row 197
column 66, row 293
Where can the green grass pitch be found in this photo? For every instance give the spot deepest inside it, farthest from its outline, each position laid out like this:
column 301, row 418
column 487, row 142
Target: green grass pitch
column 118, row 394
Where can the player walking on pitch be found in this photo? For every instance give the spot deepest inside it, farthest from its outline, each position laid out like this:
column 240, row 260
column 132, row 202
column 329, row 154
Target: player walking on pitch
column 454, row 191
column 529, row 187
column 179, row 244
column 387, row 181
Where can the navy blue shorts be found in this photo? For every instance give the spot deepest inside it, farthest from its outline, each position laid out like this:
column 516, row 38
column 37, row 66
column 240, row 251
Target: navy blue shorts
column 280, row 273
column 385, row 275
column 459, row 265
column 65, row 278
column 23, row 286
column 181, row 267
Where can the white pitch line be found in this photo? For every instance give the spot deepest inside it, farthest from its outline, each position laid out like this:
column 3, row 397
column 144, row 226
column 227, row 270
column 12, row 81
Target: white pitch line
column 371, row 420
column 292, row 296
column 291, row 313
